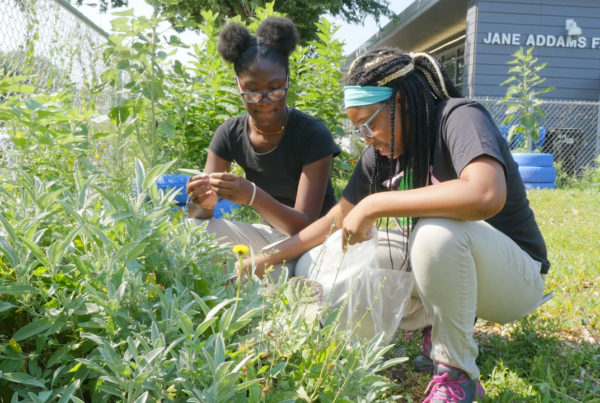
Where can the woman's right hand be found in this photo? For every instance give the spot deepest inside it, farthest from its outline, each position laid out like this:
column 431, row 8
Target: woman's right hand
column 200, row 193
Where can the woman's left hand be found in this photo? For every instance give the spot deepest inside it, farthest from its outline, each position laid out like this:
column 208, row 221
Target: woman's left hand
column 232, row 187
column 357, row 226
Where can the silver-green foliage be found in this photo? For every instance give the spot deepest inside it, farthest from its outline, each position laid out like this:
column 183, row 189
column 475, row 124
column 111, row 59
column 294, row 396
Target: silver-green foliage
column 107, row 295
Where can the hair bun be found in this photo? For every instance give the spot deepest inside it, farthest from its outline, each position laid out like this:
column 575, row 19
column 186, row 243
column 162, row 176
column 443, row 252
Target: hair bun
column 279, row 34
column 234, row 39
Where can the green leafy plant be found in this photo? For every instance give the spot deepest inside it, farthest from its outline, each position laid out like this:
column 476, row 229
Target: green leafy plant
column 106, row 294
column 522, row 97
column 169, row 110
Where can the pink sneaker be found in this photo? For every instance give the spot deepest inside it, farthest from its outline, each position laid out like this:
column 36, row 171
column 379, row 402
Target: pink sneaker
column 452, row 385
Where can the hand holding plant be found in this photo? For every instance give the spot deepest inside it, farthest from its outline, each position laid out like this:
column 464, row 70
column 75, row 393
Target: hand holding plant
column 200, row 192
column 232, row 187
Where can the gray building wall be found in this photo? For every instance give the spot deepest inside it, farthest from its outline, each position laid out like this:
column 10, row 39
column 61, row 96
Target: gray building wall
column 496, row 29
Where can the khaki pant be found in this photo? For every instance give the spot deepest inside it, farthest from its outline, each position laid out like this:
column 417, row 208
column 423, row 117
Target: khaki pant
column 255, row 236
column 463, row 270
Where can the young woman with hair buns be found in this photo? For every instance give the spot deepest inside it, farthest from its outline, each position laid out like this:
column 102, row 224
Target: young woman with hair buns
column 471, row 238
column 286, row 154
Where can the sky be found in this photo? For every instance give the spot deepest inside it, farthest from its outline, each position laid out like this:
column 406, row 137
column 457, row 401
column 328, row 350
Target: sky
column 352, row 35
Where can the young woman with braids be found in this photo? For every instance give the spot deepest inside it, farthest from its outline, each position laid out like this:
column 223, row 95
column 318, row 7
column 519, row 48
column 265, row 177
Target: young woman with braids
column 286, row 154
column 472, row 243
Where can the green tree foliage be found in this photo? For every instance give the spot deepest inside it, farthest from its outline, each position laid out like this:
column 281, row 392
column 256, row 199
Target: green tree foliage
column 170, row 110
column 304, row 13
column 523, row 103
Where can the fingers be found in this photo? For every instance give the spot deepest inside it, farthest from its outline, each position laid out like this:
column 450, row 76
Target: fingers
column 231, row 186
column 206, row 199
column 219, row 185
column 199, row 191
column 350, row 238
column 197, row 183
column 225, row 176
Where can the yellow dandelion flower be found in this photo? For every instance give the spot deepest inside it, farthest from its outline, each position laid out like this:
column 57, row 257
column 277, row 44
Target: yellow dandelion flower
column 241, row 249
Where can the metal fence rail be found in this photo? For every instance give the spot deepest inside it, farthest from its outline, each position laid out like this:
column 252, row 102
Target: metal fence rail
column 570, row 131
column 53, row 44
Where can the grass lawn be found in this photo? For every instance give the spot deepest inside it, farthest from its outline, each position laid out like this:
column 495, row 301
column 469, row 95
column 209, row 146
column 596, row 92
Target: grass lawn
column 553, row 355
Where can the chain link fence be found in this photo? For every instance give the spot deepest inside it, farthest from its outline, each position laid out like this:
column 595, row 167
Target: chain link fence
column 55, row 46
column 570, row 131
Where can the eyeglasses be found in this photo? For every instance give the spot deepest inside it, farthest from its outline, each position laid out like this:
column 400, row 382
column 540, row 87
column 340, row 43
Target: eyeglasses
column 254, row 97
column 364, row 129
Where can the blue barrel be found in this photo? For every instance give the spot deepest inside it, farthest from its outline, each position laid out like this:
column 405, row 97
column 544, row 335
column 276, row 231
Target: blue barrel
column 174, row 181
column 178, row 181
column 536, row 170
column 519, row 139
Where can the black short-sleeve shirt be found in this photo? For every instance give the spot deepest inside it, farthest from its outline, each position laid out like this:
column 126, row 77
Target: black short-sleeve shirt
column 465, row 132
column 305, row 140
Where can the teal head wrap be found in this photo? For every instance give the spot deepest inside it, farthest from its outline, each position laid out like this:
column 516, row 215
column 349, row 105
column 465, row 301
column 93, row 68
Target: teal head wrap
column 356, row 95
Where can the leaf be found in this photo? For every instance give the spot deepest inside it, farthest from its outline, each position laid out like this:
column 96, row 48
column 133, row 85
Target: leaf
column 140, row 174
column 391, row 363
column 167, row 127
column 93, row 365
column 204, row 325
column 126, row 13
column 191, row 172
column 20, row 88
column 217, row 308
column 143, row 397
column 60, row 248
column 152, row 175
column 68, row 393
column 246, row 385
column 31, row 329
column 43, row 259
column 185, row 323
column 18, row 289
column 5, row 306
column 149, row 357
column 119, row 114
column 19, row 377
column 301, row 393
column 33, row 105
column 58, row 355
column 219, row 352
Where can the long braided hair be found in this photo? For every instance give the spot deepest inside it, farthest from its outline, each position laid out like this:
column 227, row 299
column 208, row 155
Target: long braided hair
column 421, row 82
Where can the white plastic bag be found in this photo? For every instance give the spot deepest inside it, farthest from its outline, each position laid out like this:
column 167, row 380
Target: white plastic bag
column 373, row 299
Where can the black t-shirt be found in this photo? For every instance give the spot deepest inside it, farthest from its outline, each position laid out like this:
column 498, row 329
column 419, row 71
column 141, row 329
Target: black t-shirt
column 305, row 140
column 466, row 131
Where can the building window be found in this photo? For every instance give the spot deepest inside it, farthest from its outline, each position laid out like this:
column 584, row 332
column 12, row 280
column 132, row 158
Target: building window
column 453, row 59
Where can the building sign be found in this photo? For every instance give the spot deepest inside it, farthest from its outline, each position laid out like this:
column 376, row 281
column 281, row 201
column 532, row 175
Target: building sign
column 539, row 40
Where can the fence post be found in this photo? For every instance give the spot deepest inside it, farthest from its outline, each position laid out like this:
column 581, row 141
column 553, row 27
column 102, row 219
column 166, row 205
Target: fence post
column 597, row 153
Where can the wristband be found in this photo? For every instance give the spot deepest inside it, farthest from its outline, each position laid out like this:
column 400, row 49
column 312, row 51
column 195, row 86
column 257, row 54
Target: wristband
column 253, row 194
